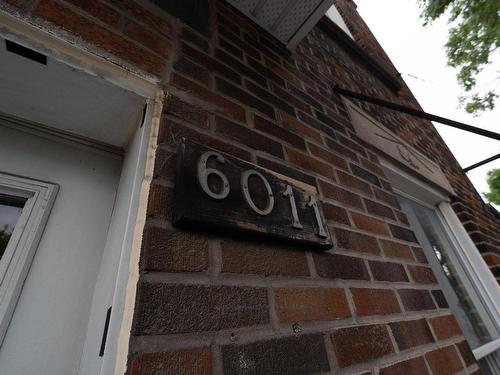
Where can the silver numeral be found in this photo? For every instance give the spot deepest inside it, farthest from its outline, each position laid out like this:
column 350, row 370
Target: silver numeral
column 204, row 172
column 246, row 192
column 313, row 202
column 295, row 216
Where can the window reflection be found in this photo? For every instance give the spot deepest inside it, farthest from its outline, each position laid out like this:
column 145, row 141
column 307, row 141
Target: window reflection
column 10, row 210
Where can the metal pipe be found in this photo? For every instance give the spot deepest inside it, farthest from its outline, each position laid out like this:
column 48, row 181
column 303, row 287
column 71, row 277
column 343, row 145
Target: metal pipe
column 418, row 113
column 470, row 167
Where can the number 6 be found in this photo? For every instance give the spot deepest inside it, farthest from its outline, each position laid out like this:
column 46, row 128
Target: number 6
column 204, row 172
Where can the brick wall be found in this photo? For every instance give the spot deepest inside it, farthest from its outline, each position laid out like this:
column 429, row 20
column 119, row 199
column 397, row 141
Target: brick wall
column 210, row 304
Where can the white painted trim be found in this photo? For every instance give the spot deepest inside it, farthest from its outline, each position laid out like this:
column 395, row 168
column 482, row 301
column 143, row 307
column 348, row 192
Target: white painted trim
column 486, row 349
column 129, row 266
column 486, row 286
column 22, row 246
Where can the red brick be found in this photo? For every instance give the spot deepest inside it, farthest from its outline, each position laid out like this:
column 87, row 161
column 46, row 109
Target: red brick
column 308, row 163
column 304, row 304
column 187, row 361
column 175, row 251
column 369, row 224
column 416, row 299
column 172, row 132
column 422, row 275
column 99, row 10
column 386, row 197
column 375, row 301
column 99, row 36
column 335, row 213
column 192, row 70
column 295, row 125
column 375, row 168
column 262, row 259
column 396, row 250
column 466, row 352
column 354, row 183
column 388, row 271
column 160, row 202
column 411, row 333
column 248, row 137
column 361, row 344
column 291, row 99
column 444, row 361
column 414, row 366
column 155, row 43
column 271, row 128
column 222, row 105
column 328, row 156
column 445, row 327
column 340, row 195
column 164, row 168
column 340, row 149
column 356, row 241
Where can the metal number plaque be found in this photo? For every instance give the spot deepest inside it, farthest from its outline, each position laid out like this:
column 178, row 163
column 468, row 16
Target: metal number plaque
column 213, row 189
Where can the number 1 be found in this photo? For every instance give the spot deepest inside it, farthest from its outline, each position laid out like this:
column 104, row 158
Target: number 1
column 313, row 202
column 289, row 193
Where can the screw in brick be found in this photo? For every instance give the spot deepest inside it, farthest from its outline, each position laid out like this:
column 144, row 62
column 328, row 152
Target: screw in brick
column 296, row 328
column 233, row 337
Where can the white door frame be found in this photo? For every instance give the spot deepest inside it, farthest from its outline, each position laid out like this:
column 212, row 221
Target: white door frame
column 125, row 242
column 481, row 283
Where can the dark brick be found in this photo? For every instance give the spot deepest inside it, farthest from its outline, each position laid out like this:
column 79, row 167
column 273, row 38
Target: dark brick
column 222, row 104
column 361, row 344
column 336, row 266
column 192, row 70
column 466, row 352
column 146, row 38
column 328, row 121
column 210, row 63
column 364, row 174
column 440, row 299
column 175, row 251
column 340, row 195
column 287, row 171
column 306, row 304
column 416, row 299
column 356, row 241
column 387, row 271
column 411, row 333
column 160, row 202
column 379, row 209
column 175, row 132
column 403, row 233
column 414, row 366
column 422, row 275
column 173, row 308
column 445, row 327
column 231, row 48
column 244, row 97
column 187, row 112
column 385, row 197
column 290, row 99
column 269, row 127
column 187, row 361
column 248, row 137
column 266, row 72
column 193, row 38
column 269, row 98
column 396, row 250
column 311, row 121
column 299, row 355
column 419, row 254
column 375, row 301
column 335, row 213
column 262, row 259
column 99, row 10
column 444, row 361
column 308, row 163
column 239, row 67
column 340, row 149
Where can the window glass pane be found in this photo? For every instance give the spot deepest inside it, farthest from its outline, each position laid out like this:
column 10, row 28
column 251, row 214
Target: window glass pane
column 10, row 211
column 439, row 248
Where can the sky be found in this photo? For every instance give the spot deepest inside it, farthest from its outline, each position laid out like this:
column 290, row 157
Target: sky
column 419, row 52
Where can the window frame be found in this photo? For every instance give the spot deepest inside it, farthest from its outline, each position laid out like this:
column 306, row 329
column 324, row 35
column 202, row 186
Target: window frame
column 20, row 251
column 482, row 285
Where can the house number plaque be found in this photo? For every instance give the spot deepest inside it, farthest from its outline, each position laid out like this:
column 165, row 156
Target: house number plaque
column 213, row 189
